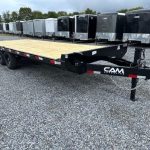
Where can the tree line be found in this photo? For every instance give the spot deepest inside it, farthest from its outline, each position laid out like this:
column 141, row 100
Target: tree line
column 26, row 13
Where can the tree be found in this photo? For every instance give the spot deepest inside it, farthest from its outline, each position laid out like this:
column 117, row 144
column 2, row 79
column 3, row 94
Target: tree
column 6, row 17
column 14, row 16
column 1, row 20
column 45, row 16
column 52, row 14
column 135, row 8
column 89, row 11
column 129, row 10
column 74, row 13
column 62, row 13
column 37, row 15
column 25, row 13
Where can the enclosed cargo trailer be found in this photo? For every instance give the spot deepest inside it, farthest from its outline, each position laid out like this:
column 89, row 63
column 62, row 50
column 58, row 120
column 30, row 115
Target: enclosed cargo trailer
column 110, row 26
column 11, row 27
column 39, row 27
column 1, row 27
column 4, row 27
column 85, row 27
column 137, row 27
column 14, row 28
column 19, row 27
column 28, row 28
column 65, row 27
column 51, row 27
column 77, row 58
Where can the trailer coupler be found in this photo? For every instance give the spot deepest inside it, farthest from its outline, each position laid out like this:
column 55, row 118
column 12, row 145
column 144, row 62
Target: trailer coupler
column 135, row 72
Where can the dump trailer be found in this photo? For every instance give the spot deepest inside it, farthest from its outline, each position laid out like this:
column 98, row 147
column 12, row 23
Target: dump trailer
column 85, row 27
column 28, row 28
column 77, row 58
column 51, row 27
column 1, row 27
column 110, row 27
column 39, row 27
column 65, row 27
column 137, row 28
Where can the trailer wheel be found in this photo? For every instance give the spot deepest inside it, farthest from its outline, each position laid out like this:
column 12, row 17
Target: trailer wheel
column 2, row 59
column 11, row 60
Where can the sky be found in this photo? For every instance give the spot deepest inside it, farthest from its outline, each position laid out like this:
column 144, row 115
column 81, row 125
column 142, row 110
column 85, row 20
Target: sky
column 72, row 5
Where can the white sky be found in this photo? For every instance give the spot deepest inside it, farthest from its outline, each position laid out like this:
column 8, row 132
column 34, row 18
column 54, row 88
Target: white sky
column 72, row 5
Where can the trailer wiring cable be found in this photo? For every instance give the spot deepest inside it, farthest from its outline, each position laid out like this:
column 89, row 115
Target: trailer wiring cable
column 141, row 63
column 128, row 89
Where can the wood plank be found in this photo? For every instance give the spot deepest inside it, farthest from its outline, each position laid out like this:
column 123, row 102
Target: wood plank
column 47, row 49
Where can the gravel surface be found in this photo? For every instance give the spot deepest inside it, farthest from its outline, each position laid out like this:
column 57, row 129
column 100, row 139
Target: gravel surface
column 46, row 108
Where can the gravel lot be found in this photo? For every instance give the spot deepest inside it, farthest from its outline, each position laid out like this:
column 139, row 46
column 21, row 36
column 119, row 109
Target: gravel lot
column 46, row 108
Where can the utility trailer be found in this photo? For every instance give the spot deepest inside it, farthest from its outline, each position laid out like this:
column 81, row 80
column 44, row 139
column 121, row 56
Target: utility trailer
column 77, row 58
column 85, row 27
column 137, row 28
column 110, row 27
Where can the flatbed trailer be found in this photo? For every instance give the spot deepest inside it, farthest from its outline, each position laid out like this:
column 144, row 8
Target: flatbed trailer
column 78, row 58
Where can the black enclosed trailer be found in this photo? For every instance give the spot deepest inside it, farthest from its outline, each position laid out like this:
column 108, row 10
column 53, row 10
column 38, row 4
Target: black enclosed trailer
column 65, row 27
column 110, row 26
column 7, row 27
column 19, row 27
column 85, row 27
column 77, row 58
column 137, row 26
column 1, row 27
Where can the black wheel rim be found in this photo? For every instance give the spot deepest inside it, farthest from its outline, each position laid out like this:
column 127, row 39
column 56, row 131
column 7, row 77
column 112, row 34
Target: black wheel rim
column 0, row 58
column 7, row 59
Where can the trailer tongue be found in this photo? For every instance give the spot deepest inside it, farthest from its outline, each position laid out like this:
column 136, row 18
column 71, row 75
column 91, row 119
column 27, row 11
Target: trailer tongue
column 77, row 58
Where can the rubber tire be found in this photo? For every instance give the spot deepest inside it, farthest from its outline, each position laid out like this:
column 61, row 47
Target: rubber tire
column 2, row 59
column 11, row 60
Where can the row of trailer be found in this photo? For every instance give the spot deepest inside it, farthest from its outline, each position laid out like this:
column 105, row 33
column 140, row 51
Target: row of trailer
column 111, row 27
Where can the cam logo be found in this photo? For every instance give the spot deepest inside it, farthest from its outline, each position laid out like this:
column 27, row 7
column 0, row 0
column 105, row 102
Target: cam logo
column 110, row 70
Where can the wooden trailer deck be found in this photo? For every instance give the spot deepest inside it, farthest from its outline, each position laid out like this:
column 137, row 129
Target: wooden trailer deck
column 47, row 49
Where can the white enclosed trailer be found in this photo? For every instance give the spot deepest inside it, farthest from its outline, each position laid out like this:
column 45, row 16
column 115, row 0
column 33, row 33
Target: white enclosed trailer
column 14, row 28
column 51, row 26
column 11, row 27
column 39, row 27
column 4, row 27
column 28, row 28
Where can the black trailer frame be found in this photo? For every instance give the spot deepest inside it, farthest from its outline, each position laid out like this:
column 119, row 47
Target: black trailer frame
column 82, row 63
